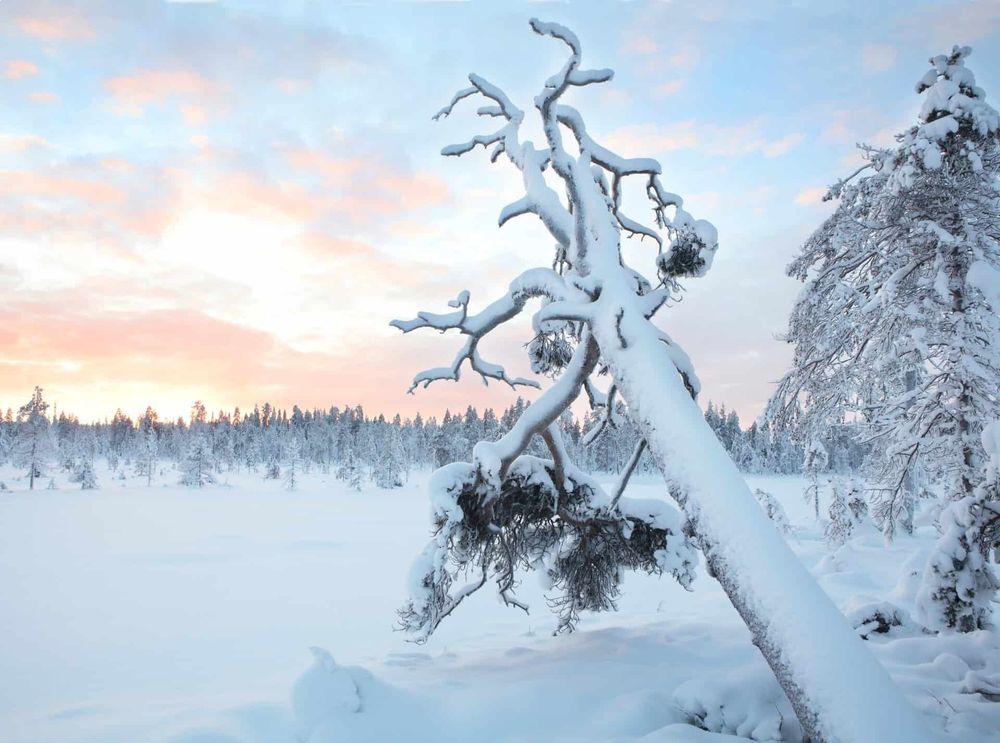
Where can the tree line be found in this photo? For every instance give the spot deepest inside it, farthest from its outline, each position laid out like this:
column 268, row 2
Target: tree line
column 356, row 447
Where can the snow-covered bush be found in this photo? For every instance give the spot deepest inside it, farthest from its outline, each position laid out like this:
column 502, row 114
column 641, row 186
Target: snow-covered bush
column 847, row 509
column 197, row 465
column 959, row 583
column 83, row 473
column 880, row 618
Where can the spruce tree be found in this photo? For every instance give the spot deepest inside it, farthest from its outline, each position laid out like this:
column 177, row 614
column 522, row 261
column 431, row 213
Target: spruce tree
column 900, row 317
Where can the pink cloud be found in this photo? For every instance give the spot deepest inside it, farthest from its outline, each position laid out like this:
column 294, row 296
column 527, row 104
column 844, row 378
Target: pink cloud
column 94, row 362
column 25, row 182
column 19, row 68
column 651, row 138
column 20, row 142
column 132, row 93
column 43, row 98
column 668, row 88
column 811, row 196
column 56, row 28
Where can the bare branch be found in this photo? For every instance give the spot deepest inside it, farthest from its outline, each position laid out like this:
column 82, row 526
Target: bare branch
column 633, row 462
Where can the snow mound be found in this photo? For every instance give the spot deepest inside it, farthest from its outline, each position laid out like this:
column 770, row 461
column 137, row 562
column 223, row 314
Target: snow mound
column 636, row 713
column 324, row 690
column 748, row 703
column 881, row 618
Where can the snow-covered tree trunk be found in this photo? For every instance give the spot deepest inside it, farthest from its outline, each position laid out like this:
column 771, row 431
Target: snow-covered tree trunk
column 508, row 509
column 838, row 689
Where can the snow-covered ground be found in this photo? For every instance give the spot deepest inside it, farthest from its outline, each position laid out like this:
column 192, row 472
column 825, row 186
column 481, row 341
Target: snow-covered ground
column 164, row 614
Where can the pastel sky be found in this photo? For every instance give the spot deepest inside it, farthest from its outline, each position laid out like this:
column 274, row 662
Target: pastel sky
column 228, row 201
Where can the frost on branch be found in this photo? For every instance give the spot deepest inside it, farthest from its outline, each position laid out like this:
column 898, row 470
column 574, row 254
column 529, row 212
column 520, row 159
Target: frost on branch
column 573, row 533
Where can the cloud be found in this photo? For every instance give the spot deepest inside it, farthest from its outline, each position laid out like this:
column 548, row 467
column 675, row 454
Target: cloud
column 132, row 93
column 778, row 147
column 61, row 27
column 811, row 196
column 722, row 141
column 961, row 23
column 878, row 57
column 21, row 142
column 58, row 187
column 92, row 361
column 668, row 88
column 366, row 186
column 684, row 58
column 44, row 98
column 637, row 138
column 17, row 69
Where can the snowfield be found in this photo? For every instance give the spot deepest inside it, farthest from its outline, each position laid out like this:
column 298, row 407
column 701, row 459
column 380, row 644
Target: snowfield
column 243, row 613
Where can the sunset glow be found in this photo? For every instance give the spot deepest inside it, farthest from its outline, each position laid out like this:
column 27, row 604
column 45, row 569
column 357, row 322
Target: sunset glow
column 229, row 201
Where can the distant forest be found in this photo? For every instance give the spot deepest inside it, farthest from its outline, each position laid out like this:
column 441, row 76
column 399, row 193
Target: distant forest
column 279, row 443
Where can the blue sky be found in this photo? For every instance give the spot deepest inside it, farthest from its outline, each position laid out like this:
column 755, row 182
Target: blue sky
column 229, row 201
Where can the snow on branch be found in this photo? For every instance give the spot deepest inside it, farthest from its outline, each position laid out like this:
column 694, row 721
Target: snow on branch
column 536, row 282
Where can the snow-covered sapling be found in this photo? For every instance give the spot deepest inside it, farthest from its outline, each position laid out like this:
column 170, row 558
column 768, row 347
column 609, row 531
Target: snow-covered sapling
column 774, row 510
column 83, row 473
column 959, row 584
column 197, row 464
column 814, row 463
column 33, row 447
column 292, row 457
column 846, row 510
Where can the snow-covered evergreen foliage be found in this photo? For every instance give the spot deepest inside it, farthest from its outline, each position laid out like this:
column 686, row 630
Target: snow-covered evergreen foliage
column 899, row 320
column 292, row 463
column 959, row 583
column 83, row 473
column 197, row 465
column 815, row 462
column 33, row 447
column 774, row 510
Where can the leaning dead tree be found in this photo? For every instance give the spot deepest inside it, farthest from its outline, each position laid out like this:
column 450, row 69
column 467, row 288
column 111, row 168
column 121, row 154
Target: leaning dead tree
column 507, row 511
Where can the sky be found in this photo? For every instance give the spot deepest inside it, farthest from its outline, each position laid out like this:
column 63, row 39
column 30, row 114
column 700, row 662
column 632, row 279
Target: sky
column 229, row 201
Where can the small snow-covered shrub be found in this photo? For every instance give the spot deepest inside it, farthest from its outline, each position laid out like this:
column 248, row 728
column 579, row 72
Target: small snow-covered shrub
column 880, row 618
column 774, row 510
column 846, row 511
column 959, row 583
column 83, row 473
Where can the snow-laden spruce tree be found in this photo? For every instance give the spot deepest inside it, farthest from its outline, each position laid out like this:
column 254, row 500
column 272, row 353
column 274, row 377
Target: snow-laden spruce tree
column 292, row 463
column 196, row 469
column 959, row 583
column 507, row 511
column 33, row 447
column 898, row 322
